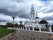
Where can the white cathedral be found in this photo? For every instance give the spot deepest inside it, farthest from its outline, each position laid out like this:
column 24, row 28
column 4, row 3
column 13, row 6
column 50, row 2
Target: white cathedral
column 35, row 21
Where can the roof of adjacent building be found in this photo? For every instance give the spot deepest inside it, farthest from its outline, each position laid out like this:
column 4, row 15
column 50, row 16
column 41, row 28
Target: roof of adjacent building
column 43, row 22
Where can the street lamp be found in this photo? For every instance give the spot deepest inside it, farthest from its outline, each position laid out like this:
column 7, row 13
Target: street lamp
column 15, row 28
column 13, row 19
column 13, row 24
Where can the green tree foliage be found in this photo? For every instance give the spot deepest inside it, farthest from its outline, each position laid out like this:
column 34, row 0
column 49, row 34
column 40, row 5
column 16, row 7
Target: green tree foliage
column 20, row 22
column 16, row 24
column 21, row 25
column 10, row 24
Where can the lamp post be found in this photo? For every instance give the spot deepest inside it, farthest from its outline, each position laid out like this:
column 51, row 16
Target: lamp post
column 14, row 27
column 13, row 19
column 13, row 24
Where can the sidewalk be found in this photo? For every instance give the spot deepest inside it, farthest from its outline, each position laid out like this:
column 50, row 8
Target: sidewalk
column 9, row 37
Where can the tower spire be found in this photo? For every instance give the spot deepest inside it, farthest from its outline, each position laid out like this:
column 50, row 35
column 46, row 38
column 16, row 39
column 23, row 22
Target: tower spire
column 32, row 7
column 32, row 12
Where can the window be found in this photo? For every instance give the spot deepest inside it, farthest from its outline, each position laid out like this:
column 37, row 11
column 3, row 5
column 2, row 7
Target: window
column 31, row 28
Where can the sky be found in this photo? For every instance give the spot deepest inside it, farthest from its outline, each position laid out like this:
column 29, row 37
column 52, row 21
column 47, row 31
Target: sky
column 20, row 9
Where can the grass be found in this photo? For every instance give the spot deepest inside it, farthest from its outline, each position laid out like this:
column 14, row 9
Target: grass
column 5, row 31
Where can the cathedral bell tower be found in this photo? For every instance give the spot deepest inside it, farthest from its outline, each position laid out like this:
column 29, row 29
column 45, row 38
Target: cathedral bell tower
column 32, row 13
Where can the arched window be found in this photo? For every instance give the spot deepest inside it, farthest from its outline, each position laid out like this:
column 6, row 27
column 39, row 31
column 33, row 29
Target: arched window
column 31, row 28
column 27, row 28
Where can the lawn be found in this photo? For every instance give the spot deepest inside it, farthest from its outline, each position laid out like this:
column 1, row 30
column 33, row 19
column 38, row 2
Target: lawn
column 4, row 31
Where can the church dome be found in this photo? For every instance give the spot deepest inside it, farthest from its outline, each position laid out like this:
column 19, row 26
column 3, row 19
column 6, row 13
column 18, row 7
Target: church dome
column 43, row 22
column 36, row 17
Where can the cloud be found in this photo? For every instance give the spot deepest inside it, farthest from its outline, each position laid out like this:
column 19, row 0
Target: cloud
column 14, row 8
column 18, row 19
column 6, row 18
column 21, row 9
column 43, row 15
column 47, row 7
column 20, row 13
column 2, row 23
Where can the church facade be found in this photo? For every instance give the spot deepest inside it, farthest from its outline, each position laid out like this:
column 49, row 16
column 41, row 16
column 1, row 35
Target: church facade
column 35, row 21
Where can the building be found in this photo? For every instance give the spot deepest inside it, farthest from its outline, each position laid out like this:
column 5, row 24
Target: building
column 35, row 29
column 35, row 21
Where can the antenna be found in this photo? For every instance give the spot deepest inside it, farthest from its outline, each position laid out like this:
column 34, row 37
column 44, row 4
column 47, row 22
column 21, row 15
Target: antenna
column 32, row 7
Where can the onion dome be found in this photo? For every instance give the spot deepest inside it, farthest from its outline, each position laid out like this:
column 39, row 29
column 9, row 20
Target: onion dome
column 36, row 17
column 43, row 22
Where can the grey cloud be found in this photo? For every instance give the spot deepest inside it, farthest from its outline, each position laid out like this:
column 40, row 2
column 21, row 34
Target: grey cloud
column 18, row 9
column 20, row 0
column 49, row 11
column 49, row 18
column 4, row 21
column 20, row 13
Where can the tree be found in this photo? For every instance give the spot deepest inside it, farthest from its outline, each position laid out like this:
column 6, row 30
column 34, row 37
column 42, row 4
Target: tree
column 21, row 25
column 16, row 24
column 20, row 22
column 10, row 24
